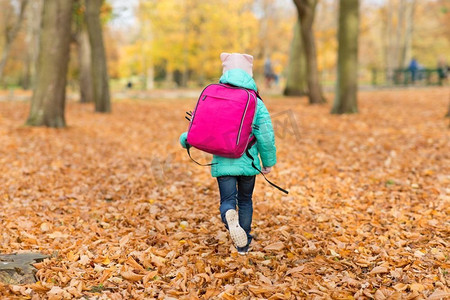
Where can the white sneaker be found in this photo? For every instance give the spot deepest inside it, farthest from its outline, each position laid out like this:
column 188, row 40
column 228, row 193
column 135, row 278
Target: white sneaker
column 237, row 233
column 243, row 252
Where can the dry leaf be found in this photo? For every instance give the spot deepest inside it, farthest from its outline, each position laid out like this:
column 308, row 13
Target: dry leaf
column 84, row 260
column 416, row 287
column 56, row 293
column 278, row 246
column 132, row 262
column 298, row 269
column 379, row 270
column 45, row 227
column 439, row 295
column 224, row 275
column 131, row 276
column 400, row 287
column 211, row 292
column 149, row 276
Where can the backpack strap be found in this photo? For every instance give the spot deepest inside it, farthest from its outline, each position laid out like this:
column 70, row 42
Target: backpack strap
column 188, row 148
column 257, row 95
column 247, row 152
column 256, row 91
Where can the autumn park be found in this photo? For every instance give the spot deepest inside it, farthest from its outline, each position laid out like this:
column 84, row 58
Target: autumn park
column 317, row 136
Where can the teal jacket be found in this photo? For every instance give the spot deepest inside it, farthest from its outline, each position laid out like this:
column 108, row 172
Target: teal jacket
column 265, row 137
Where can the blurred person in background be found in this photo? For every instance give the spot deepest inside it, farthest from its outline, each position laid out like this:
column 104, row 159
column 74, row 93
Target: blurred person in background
column 442, row 68
column 269, row 73
column 413, row 68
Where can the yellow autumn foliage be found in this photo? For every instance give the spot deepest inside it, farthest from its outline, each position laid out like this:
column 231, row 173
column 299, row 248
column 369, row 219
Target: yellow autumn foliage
column 189, row 35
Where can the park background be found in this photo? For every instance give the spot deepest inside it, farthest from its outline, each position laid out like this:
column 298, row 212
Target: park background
column 94, row 183
column 176, row 43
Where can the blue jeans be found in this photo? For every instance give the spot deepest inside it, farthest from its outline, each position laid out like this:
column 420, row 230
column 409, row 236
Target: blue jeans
column 237, row 191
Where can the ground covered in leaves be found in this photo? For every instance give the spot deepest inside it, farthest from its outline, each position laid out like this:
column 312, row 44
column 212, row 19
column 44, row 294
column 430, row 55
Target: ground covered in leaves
column 124, row 213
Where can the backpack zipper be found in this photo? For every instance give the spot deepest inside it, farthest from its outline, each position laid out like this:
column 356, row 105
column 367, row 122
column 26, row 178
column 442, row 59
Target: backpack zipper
column 245, row 111
column 242, row 119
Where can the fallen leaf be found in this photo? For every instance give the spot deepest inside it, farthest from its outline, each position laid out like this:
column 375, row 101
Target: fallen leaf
column 84, row 260
column 131, row 276
column 439, row 295
column 298, row 269
column 149, row 276
column 278, row 246
column 224, row 275
column 379, row 270
column 56, row 293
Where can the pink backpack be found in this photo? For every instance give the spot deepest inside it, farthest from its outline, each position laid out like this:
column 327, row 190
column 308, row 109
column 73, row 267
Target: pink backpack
column 221, row 123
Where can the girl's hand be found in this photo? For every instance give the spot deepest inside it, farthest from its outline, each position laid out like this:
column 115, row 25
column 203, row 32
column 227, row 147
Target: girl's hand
column 266, row 170
column 183, row 138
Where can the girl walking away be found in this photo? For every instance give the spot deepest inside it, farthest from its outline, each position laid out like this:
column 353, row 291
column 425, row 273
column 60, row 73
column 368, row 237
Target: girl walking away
column 236, row 176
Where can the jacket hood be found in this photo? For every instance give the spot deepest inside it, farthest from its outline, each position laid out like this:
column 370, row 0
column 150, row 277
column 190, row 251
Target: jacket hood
column 238, row 77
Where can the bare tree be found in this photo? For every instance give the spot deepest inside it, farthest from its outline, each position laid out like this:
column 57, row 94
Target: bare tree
column 49, row 94
column 347, row 84
column 98, row 56
column 306, row 12
column 11, row 31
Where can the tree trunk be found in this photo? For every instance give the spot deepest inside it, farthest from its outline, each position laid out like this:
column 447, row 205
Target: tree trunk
column 34, row 16
column 84, row 53
column 264, row 28
column 448, row 112
column 296, row 84
column 4, row 58
column 150, row 80
column 10, row 36
column 407, row 45
column 399, row 35
column 49, row 94
column 347, row 84
column 306, row 11
column 98, row 56
column 170, row 79
column 388, row 28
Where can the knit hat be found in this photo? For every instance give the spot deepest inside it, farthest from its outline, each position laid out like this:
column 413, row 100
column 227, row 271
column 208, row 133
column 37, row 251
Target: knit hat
column 237, row 61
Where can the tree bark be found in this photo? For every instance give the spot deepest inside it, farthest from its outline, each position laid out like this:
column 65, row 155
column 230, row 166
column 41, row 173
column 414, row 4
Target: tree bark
column 306, row 12
column 10, row 36
column 84, row 54
column 347, row 84
column 296, row 84
column 34, row 16
column 98, row 57
column 49, row 94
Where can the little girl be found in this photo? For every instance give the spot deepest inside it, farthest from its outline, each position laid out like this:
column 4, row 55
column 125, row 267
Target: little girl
column 236, row 176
